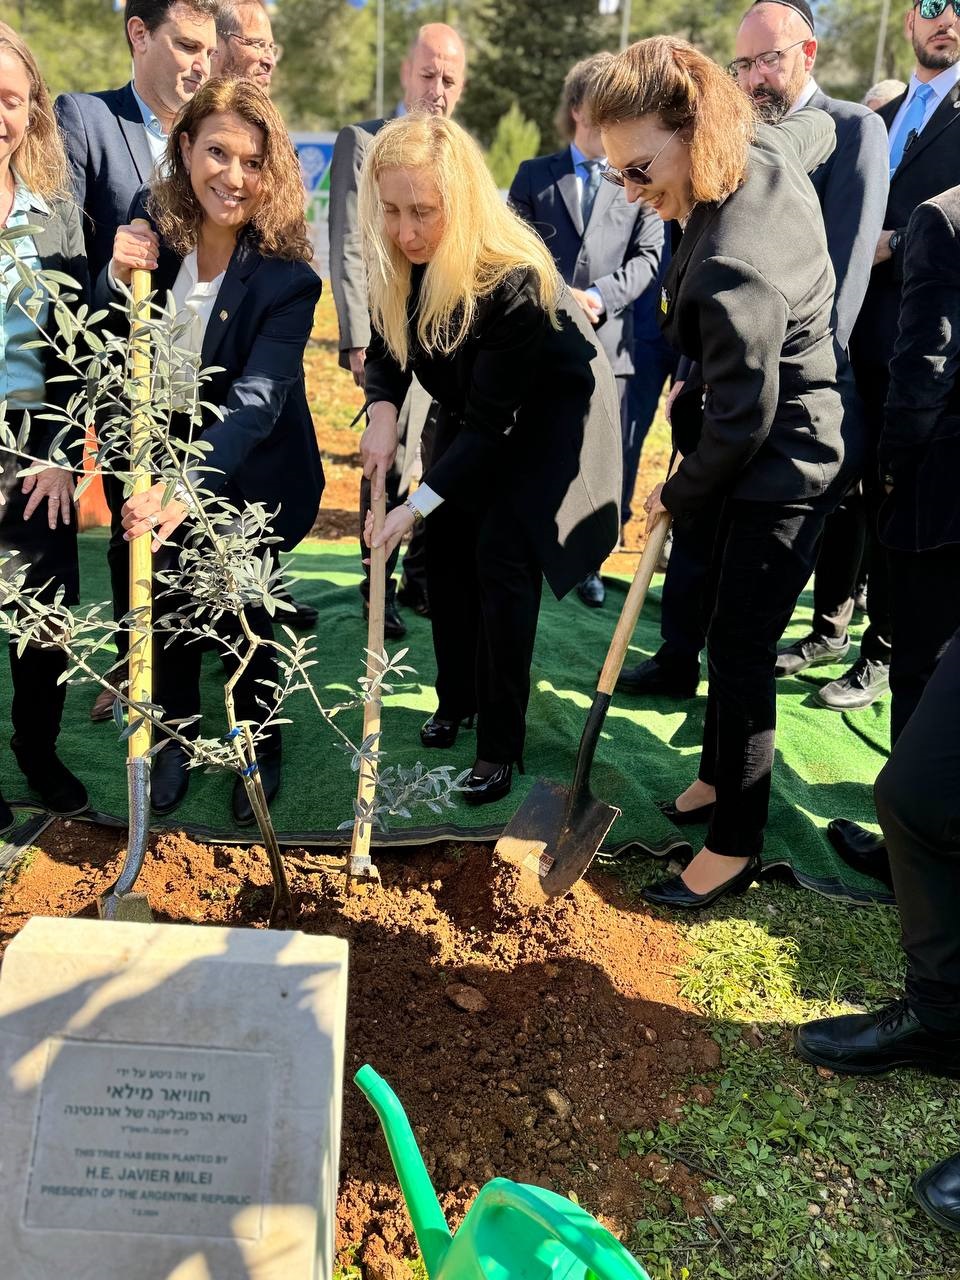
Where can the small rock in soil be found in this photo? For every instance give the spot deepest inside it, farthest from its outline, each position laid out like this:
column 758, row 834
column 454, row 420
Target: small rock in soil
column 557, row 1103
column 469, row 999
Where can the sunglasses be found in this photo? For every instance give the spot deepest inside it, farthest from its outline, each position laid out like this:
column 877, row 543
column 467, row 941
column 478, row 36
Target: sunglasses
column 933, row 8
column 639, row 174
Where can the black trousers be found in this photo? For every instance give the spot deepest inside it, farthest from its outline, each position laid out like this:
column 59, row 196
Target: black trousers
column 118, row 559
column 925, row 613
column 763, row 556
column 484, row 583
column 654, row 362
column 873, row 381
column 918, row 803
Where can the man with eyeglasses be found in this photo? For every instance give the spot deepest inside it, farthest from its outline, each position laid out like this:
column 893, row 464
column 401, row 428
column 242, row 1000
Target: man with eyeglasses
column 245, row 42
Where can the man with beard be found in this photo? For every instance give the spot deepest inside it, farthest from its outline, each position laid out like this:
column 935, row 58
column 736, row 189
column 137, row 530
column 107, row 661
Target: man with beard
column 432, row 77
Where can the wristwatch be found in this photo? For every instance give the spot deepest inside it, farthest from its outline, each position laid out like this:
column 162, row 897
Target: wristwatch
column 893, row 244
column 417, row 513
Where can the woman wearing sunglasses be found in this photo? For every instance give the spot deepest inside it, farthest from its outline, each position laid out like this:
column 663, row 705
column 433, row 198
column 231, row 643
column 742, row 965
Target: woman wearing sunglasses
column 748, row 298
column 525, row 477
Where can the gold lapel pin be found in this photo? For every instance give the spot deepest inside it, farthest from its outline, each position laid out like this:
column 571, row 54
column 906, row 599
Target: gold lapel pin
column 223, row 315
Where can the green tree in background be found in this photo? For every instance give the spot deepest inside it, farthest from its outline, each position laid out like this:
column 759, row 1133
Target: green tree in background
column 79, row 44
column 515, row 139
column 326, row 77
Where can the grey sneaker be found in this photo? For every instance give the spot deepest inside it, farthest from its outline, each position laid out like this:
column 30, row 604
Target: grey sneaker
column 862, row 685
column 811, row 651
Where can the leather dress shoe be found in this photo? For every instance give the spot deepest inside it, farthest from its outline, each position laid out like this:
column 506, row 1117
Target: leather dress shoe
column 60, row 791
column 413, row 595
column 686, row 817
column 443, row 733
column 102, row 706
column 868, row 1044
column 811, row 651
column 394, row 627
column 7, row 818
column 480, row 789
column 304, row 616
column 270, row 763
column 656, row 677
column 865, row 682
column 592, row 591
column 675, row 894
column 937, row 1192
column 860, row 849
column 169, row 778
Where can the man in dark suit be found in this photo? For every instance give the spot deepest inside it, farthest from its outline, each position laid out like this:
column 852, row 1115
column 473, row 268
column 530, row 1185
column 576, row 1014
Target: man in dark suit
column 924, row 146
column 919, row 453
column 608, row 251
column 776, row 53
column 432, row 76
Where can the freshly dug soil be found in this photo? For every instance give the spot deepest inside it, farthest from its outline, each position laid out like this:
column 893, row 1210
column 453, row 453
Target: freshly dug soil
column 523, row 1040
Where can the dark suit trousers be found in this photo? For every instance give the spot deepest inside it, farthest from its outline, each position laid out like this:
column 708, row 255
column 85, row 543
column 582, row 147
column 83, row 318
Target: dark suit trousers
column 918, row 803
column 654, row 362
column 838, row 567
column 684, row 604
column 872, row 383
column 118, row 559
column 484, row 583
column 925, row 613
column 763, row 557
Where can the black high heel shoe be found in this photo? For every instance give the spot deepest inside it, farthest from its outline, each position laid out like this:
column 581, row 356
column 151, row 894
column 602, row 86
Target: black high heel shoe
column 686, row 817
column 443, row 733
column 484, row 789
column 675, row 894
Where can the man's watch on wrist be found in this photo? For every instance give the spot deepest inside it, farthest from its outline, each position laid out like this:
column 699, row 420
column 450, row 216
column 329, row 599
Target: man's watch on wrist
column 893, row 244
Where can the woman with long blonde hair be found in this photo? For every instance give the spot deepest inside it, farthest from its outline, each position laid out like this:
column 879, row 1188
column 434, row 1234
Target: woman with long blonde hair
column 525, row 477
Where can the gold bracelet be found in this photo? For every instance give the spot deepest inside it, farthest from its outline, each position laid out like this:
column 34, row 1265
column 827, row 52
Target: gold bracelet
column 417, row 513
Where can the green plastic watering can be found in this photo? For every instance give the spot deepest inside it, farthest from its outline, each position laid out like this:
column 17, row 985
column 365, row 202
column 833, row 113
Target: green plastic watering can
column 512, row 1232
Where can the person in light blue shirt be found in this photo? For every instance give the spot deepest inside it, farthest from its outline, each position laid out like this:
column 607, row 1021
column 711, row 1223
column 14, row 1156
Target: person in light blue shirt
column 37, row 524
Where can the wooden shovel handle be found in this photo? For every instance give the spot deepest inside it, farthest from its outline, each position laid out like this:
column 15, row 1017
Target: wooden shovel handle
column 367, row 785
column 140, row 688
column 627, row 622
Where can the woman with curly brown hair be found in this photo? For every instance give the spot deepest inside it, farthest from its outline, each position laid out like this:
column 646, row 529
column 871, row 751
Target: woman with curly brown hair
column 228, row 241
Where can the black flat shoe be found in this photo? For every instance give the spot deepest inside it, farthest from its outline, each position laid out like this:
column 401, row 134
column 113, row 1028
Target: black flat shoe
column 674, row 893
column 270, row 769
column 484, row 790
column 686, row 817
column 868, row 1044
column 937, row 1192
column 443, row 733
column 60, row 791
column 169, row 778
column 860, row 849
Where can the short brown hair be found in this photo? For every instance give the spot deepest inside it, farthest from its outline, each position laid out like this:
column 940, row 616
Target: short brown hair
column 39, row 161
column 577, row 87
column 280, row 220
column 154, row 13
column 685, row 89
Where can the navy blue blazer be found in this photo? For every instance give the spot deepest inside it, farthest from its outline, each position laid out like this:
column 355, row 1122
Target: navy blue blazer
column 265, row 445
column 110, row 160
column 618, row 253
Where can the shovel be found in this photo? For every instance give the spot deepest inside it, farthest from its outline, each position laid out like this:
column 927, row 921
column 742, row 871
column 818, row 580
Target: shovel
column 555, row 834
column 360, row 866
column 119, row 902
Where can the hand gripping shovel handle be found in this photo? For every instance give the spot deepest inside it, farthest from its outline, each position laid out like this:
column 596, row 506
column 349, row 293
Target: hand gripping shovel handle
column 360, row 864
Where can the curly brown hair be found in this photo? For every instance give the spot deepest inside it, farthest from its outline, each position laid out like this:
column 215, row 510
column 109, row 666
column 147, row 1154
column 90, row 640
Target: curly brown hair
column 280, row 219
column 40, row 161
column 685, row 89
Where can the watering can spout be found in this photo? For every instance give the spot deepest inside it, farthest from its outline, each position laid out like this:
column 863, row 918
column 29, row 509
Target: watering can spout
column 429, row 1224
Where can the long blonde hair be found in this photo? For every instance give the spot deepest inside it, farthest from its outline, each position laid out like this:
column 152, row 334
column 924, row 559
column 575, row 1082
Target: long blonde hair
column 40, row 161
column 482, row 241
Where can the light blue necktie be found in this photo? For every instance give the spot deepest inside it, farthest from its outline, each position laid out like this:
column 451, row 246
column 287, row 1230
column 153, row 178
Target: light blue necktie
column 590, row 188
column 912, row 124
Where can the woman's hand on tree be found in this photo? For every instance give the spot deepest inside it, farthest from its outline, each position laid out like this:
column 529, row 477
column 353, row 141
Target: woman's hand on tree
column 397, row 523
column 54, row 486
column 134, row 247
column 145, row 513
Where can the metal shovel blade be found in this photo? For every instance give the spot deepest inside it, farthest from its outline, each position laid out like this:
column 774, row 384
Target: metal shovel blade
column 552, row 842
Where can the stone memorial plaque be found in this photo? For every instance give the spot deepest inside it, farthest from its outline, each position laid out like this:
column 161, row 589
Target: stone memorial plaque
column 150, row 1139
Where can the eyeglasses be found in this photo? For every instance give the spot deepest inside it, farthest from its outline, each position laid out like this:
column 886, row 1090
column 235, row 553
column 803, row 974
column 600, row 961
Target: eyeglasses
column 770, row 61
column 638, row 174
column 266, row 46
column 933, row 8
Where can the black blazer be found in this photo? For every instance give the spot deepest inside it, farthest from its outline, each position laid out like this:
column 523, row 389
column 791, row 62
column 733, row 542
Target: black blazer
column 526, row 409
column 920, row 442
column 110, row 160
column 929, row 166
column 619, row 253
column 265, row 445
column 749, row 297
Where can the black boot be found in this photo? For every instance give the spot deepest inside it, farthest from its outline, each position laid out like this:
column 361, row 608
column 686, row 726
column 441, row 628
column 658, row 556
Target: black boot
column 270, row 761
column 36, row 711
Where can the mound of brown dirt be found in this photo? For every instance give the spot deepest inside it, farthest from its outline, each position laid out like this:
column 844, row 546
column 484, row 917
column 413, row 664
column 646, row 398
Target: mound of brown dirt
column 521, row 1040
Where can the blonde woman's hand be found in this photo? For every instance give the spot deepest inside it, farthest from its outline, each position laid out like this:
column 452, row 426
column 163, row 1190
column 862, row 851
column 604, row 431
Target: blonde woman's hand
column 54, row 486
column 134, row 247
column 378, row 445
column 396, row 525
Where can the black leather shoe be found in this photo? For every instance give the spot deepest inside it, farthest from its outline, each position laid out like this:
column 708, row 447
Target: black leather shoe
column 868, row 1044
column 443, row 733
column 59, row 790
column 675, row 894
column 937, row 1192
column 811, row 651
column 592, row 591
column 654, row 677
column 394, row 627
column 686, row 817
column 860, row 849
column 861, row 686
column 7, row 819
column 413, row 595
column 169, row 778
column 484, row 790
column 304, row 616
column 271, row 764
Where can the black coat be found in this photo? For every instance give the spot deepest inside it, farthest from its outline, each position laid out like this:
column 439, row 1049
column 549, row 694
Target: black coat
column 749, row 297
column 265, row 445
column 920, row 443
column 526, row 408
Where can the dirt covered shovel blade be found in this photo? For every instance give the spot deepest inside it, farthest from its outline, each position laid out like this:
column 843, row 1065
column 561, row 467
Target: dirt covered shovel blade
column 553, row 841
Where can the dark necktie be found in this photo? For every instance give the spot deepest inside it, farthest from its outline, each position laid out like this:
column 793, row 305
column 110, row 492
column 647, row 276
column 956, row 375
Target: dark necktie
column 590, row 188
